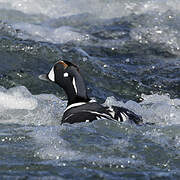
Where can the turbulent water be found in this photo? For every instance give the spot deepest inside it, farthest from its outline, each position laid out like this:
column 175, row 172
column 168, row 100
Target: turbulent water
column 129, row 55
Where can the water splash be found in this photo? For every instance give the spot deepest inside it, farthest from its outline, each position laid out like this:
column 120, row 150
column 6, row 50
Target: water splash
column 19, row 106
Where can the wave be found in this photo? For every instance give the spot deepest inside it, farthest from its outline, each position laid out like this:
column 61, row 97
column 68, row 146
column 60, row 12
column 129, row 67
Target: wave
column 103, row 9
column 18, row 105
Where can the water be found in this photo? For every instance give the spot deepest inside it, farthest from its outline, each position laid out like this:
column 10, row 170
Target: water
column 128, row 52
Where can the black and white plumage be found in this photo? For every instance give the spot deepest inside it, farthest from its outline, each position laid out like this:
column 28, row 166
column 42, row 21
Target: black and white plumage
column 80, row 108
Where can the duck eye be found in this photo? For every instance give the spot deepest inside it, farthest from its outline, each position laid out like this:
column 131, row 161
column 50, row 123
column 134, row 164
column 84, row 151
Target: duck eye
column 66, row 74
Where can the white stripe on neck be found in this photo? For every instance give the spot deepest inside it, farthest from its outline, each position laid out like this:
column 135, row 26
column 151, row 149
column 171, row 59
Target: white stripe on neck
column 74, row 84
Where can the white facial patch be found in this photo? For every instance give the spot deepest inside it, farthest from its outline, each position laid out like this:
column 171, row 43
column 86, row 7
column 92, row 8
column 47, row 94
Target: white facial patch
column 51, row 75
column 66, row 74
column 74, row 84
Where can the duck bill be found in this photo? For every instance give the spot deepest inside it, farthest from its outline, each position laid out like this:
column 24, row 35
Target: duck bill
column 44, row 77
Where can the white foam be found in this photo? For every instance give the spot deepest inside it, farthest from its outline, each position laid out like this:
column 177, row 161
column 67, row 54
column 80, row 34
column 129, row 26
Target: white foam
column 11, row 102
column 161, row 6
column 103, row 9
column 16, row 98
column 160, row 109
column 160, row 34
column 54, row 146
column 59, row 142
column 59, row 8
column 111, row 101
column 156, row 28
column 18, row 105
column 43, row 33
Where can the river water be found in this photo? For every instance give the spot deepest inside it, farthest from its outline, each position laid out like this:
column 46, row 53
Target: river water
column 129, row 55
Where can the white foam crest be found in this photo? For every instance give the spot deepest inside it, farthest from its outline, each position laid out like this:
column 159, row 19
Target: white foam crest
column 111, row 101
column 11, row 102
column 18, row 105
column 159, row 109
column 156, row 98
column 56, row 142
column 62, row 34
column 160, row 6
column 157, row 35
column 17, row 98
column 59, row 8
column 103, row 9
column 154, row 30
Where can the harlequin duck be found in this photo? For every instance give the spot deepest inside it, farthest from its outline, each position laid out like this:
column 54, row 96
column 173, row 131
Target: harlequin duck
column 79, row 107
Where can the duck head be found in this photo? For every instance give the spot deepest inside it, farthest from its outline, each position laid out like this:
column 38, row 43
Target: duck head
column 68, row 77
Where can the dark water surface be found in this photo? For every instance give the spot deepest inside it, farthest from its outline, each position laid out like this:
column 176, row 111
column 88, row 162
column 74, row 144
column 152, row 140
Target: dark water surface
column 128, row 52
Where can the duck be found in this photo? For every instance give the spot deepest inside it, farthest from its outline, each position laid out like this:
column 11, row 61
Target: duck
column 80, row 108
